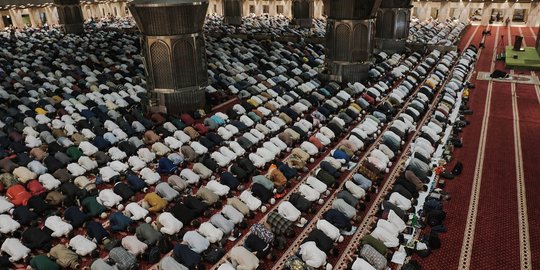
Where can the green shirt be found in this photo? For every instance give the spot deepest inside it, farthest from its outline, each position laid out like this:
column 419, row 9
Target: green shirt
column 375, row 243
column 92, row 207
column 42, row 262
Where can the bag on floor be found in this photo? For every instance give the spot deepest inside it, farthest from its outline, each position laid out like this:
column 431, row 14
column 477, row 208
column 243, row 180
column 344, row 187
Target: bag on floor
column 457, row 168
column 433, row 240
column 412, row 265
column 435, row 217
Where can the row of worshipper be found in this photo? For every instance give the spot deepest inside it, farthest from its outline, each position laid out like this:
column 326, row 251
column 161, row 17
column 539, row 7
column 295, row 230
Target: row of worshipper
column 344, row 212
column 275, row 26
column 317, row 186
column 68, row 182
column 386, row 240
column 432, row 31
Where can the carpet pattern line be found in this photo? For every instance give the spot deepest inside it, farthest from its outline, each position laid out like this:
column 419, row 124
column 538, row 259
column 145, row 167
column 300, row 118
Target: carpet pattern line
column 467, row 246
column 523, row 218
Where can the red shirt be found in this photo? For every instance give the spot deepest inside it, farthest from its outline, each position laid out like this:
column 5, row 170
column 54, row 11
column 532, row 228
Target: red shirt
column 18, row 195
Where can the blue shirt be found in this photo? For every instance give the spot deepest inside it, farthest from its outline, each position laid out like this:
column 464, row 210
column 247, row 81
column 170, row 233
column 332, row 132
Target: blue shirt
column 119, row 222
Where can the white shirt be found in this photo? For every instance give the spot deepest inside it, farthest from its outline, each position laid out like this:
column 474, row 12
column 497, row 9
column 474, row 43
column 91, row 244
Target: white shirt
column 136, row 163
column 8, row 224
column 400, row 201
column 173, row 143
column 252, row 202
column 316, row 184
column 310, row 148
column 232, row 214
column 87, row 163
column 224, row 133
column 386, row 237
column 266, row 154
column 357, row 191
column 199, row 148
column 279, row 143
column 108, row 198
column 170, row 224
column 189, row 176
column 182, row 136
column 228, row 153
column 361, row 264
column 5, row 205
column 388, row 226
column 309, row 193
column 82, row 245
column 211, row 233
column 135, row 211
column 58, row 226
column 329, row 229
column 107, row 173
column 160, row 149
column 396, row 221
column 238, row 150
column 116, row 154
column 87, row 148
column 257, row 160
column 196, row 242
column 288, row 211
column 312, row 255
column 220, row 159
column 75, row 169
column 48, row 181
column 118, row 166
column 217, row 188
column 15, row 249
column 324, row 139
column 149, row 176
column 145, row 155
column 132, row 244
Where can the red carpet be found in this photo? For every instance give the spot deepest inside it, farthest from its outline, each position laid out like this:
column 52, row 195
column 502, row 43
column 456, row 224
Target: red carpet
column 496, row 242
column 529, row 109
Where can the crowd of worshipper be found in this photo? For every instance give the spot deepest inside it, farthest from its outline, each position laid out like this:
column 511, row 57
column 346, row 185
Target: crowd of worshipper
column 337, row 222
column 90, row 179
column 265, row 24
column 112, row 22
column 83, row 166
column 388, row 239
column 435, row 32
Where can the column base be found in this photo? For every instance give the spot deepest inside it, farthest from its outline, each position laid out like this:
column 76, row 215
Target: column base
column 176, row 102
column 304, row 23
column 391, row 46
column 347, row 72
column 77, row 28
column 233, row 20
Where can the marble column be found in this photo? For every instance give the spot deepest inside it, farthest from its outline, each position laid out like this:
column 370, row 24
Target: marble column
column 70, row 16
column 393, row 18
column 350, row 38
column 232, row 12
column 174, row 53
column 303, row 12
